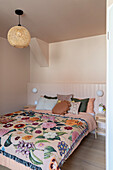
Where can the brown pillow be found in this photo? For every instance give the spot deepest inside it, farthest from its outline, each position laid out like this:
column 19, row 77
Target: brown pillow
column 61, row 108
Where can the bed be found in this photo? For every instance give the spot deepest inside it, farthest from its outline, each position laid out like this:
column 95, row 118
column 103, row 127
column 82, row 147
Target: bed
column 40, row 140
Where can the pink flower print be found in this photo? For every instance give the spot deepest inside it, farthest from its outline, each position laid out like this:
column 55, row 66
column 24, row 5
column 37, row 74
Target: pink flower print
column 48, row 125
column 52, row 118
column 3, row 132
column 74, row 135
column 45, row 117
column 40, row 144
column 48, row 117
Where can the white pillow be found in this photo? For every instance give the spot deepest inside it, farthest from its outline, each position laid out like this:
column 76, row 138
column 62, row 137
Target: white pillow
column 46, row 104
column 74, row 107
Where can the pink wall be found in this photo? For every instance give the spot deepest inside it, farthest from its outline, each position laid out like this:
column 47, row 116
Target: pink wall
column 73, row 61
column 14, row 76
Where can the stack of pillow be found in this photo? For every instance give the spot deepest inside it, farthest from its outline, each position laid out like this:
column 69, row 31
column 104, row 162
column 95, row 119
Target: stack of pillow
column 62, row 104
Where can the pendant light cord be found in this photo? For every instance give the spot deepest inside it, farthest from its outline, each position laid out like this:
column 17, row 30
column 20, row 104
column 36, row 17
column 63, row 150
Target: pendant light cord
column 19, row 21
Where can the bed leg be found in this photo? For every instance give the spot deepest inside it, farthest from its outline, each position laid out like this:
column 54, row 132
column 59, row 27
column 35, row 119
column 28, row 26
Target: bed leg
column 95, row 134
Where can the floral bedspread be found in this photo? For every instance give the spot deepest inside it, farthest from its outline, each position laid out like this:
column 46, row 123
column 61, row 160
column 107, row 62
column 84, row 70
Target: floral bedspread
column 38, row 140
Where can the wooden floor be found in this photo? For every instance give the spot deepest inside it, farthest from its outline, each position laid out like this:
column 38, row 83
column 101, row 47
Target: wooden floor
column 90, row 155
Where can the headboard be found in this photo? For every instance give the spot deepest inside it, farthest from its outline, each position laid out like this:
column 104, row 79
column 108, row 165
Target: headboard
column 79, row 91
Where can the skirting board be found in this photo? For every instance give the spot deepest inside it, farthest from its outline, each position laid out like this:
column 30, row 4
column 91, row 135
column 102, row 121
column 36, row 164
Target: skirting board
column 78, row 90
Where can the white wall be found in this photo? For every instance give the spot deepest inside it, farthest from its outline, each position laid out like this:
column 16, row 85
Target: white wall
column 109, row 115
column 14, row 76
column 75, row 61
column 109, row 2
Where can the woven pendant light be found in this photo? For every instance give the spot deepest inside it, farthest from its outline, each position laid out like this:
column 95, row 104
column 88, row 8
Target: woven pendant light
column 19, row 36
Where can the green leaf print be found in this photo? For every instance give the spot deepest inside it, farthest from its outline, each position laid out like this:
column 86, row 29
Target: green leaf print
column 47, row 155
column 60, row 124
column 75, row 126
column 70, row 138
column 10, row 131
column 34, row 159
column 60, row 133
column 56, row 138
column 40, row 136
column 8, row 141
column 49, row 149
column 40, row 141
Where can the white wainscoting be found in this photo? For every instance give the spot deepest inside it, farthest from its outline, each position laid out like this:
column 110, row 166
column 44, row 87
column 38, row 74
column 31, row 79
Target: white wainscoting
column 78, row 90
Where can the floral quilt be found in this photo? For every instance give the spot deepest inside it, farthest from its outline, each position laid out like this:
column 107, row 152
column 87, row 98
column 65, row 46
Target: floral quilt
column 38, row 140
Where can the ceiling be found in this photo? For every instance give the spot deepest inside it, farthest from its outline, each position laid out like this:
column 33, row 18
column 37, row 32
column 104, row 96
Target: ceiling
column 55, row 20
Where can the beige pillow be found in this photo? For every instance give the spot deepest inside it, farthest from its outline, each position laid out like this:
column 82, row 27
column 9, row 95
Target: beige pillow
column 90, row 106
column 74, row 107
column 64, row 97
column 61, row 107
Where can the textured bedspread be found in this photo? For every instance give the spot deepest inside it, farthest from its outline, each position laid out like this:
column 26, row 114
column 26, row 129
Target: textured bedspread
column 39, row 140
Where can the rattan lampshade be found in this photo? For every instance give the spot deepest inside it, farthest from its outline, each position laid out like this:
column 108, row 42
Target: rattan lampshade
column 19, row 36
